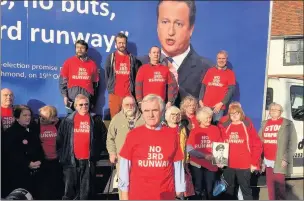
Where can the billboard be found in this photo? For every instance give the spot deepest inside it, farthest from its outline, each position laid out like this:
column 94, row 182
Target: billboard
column 38, row 36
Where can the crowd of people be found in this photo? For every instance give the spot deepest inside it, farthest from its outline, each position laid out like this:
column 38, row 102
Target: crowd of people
column 164, row 121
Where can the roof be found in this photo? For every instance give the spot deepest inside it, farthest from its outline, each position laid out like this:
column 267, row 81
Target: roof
column 289, row 76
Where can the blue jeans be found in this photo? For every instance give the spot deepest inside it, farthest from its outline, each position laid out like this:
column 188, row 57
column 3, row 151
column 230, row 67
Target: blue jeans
column 216, row 117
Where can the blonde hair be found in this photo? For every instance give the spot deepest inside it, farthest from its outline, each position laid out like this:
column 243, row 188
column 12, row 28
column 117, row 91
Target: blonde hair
column 50, row 109
column 234, row 109
column 152, row 97
column 202, row 113
column 185, row 102
column 169, row 112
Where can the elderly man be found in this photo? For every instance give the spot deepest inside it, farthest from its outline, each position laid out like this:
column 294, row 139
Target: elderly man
column 7, row 100
column 80, row 140
column 151, row 166
column 127, row 119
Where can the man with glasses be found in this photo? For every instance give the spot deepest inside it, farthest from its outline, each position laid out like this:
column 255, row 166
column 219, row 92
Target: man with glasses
column 80, row 140
column 127, row 119
column 7, row 100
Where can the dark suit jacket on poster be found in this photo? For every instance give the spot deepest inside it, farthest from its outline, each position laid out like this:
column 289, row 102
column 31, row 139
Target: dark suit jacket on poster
column 190, row 74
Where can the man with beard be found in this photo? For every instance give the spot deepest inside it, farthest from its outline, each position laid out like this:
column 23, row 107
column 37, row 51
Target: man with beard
column 79, row 75
column 127, row 119
column 7, row 99
column 120, row 72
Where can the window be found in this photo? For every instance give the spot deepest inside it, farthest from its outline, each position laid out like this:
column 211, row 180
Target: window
column 269, row 97
column 293, row 51
column 296, row 100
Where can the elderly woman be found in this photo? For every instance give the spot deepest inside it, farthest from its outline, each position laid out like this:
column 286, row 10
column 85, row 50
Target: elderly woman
column 23, row 151
column 199, row 146
column 188, row 107
column 279, row 139
column 173, row 120
column 48, row 123
column 245, row 149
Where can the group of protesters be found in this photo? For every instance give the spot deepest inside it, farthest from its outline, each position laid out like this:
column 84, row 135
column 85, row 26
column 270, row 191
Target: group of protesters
column 160, row 136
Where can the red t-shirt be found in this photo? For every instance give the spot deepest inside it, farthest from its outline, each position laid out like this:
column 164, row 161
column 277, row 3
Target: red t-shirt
column 82, row 136
column 122, row 75
column 270, row 136
column 193, row 121
column 7, row 117
column 154, row 79
column 48, row 134
column 152, row 154
column 217, row 82
column 201, row 139
column 239, row 154
column 80, row 73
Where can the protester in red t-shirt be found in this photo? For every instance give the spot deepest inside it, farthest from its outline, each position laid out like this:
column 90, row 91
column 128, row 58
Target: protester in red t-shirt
column 51, row 171
column 245, row 150
column 7, row 100
column 151, row 166
column 80, row 140
column 154, row 78
column 79, row 75
column 199, row 146
column 188, row 107
column 120, row 71
column 279, row 143
column 218, row 87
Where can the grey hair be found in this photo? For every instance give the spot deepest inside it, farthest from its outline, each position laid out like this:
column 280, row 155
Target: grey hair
column 223, row 52
column 152, row 97
column 276, row 104
column 169, row 111
column 124, row 99
column 203, row 112
column 80, row 97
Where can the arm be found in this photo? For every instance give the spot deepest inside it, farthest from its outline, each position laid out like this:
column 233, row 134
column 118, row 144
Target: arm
column 292, row 143
column 108, row 66
column 111, row 146
column 195, row 153
column 95, row 80
column 139, row 85
column 255, row 146
column 172, row 88
column 63, row 79
column 179, row 177
column 59, row 138
column 123, row 177
column 228, row 96
column 202, row 92
column 100, row 134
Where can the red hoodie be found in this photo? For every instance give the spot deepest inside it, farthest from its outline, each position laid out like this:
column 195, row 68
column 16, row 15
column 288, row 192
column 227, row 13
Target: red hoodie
column 245, row 146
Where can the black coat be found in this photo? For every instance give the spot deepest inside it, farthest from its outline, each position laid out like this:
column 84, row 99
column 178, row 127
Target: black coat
column 20, row 147
column 65, row 136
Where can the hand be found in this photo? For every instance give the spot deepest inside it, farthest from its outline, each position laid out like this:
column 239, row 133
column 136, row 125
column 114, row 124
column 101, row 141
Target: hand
column 33, row 165
column 65, row 100
column 124, row 195
column 220, row 165
column 263, row 168
column 253, row 168
column 168, row 105
column 113, row 158
column 201, row 103
column 179, row 194
column 217, row 107
column 37, row 163
column 284, row 164
column 209, row 157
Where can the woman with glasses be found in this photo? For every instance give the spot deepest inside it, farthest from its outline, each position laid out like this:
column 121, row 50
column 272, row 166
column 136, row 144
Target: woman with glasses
column 188, row 108
column 279, row 139
column 245, row 150
column 24, row 155
column 48, row 124
column 173, row 120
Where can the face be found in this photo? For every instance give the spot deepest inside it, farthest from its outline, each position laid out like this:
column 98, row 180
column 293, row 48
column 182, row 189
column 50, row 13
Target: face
column 80, row 50
column 129, row 107
column 221, row 60
column 151, row 113
column 206, row 121
column 190, row 108
column 275, row 112
column 175, row 117
column 7, row 98
column 121, row 44
column 82, row 106
column 25, row 118
column 235, row 116
column 220, row 152
column 154, row 55
column 173, row 27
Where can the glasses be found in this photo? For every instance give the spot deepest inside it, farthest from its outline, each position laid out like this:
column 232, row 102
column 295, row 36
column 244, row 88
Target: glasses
column 83, row 104
column 275, row 110
column 175, row 114
column 234, row 114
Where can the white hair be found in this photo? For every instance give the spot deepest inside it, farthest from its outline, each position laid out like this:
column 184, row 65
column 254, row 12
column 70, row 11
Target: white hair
column 202, row 113
column 125, row 98
column 223, row 52
column 152, row 97
column 170, row 110
column 276, row 104
column 80, row 97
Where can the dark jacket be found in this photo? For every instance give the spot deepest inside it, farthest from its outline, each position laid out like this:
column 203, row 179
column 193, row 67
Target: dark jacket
column 65, row 139
column 20, row 147
column 190, row 74
column 110, row 72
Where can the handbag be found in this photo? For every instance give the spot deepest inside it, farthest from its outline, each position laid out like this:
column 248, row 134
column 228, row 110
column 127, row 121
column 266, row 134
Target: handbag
column 220, row 186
